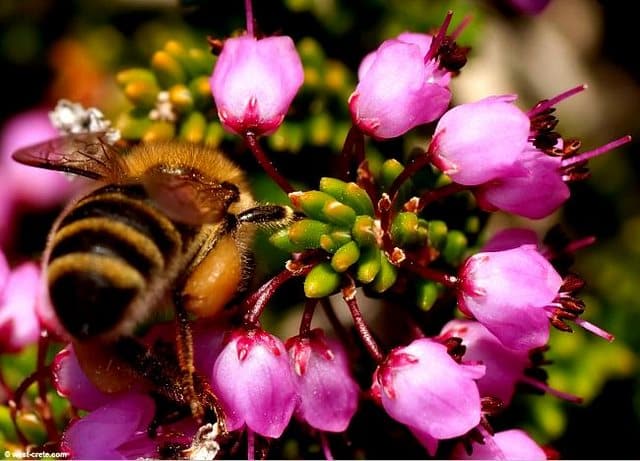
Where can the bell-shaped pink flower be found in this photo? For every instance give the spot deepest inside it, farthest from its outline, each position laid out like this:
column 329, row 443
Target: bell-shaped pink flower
column 254, row 82
column 327, row 392
column 505, row 367
column 476, row 142
column 513, row 444
column 535, row 193
column 398, row 88
column 19, row 325
column 422, row 386
column 116, row 430
column 507, row 291
column 252, row 378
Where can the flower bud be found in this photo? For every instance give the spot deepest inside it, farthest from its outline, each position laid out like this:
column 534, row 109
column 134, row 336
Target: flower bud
column 480, row 141
column 398, row 89
column 507, row 292
column 512, row 444
column 253, row 380
column 254, row 82
column 327, row 392
column 422, row 386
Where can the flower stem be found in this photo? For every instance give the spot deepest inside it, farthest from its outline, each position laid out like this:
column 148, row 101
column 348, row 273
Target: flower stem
column 45, row 407
column 307, row 316
column 326, row 448
column 266, row 164
column 248, row 8
column 256, row 302
column 352, row 153
column 349, row 296
column 431, row 196
column 449, row 281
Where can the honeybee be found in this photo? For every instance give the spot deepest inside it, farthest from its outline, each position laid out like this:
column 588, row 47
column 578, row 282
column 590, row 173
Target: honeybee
column 163, row 220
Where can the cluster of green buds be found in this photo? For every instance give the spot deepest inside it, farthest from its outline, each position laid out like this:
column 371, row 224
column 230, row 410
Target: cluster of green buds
column 341, row 219
column 171, row 98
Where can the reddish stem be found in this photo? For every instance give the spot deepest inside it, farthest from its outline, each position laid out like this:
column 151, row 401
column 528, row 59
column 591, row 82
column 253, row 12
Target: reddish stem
column 348, row 294
column 248, row 8
column 307, row 316
column 45, row 410
column 430, row 196
column 352, row 153
column 266, row 164
column 449, row 281
column 256, row 303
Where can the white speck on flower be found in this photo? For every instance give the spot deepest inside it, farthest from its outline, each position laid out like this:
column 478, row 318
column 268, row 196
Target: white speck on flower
column 70, row 117
column 204, row 445
column 163, row 110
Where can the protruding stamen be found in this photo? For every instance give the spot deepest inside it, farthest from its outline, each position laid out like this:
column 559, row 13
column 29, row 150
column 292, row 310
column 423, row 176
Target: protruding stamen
column 550, row 390
column 548, row 103
column 567, row 162
column 437, row 40
column 461, row 27
column 594, row 329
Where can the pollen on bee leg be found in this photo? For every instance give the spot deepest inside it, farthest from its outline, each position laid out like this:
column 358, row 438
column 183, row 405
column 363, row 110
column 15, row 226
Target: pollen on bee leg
column 204, row 445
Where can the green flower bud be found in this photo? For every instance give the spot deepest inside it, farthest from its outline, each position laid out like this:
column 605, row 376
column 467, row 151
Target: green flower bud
column 133, row 125
column 364, row 230
column 307, row 232
column 348, row 193
column 386, row 277
column 345, row 256
column 181, row 98
column 437, row 231
column 321, row 281
column 159, row 131
column 454, row 247
column 427, row 293
column 369, row 264
column 168, row 70
column 193, row 128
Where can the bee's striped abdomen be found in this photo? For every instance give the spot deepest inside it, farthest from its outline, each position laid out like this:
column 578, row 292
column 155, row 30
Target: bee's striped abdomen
column 103, row 254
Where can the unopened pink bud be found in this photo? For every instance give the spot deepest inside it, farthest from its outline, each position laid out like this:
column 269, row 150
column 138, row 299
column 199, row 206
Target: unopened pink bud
column 254, row 82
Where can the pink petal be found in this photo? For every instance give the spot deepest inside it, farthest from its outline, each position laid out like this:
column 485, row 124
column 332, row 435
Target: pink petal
column 18, row 308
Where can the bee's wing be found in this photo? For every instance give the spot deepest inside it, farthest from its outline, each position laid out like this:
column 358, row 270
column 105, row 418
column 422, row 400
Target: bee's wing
column 84, row 154
column 189, row 198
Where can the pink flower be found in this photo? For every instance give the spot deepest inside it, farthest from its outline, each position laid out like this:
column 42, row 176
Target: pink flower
column 422, row 386
column 400, row 87
column 529, row 6
column 480, row 141
column 19, row 325
column 518, row 162
column 534, row 194
column 24, row 185
column 254, row 82
column 513, row 444
column 505, row 367
column 116, row 430
column 327, row 392
column 253, row 380
column 507, row 291
column 71, row 382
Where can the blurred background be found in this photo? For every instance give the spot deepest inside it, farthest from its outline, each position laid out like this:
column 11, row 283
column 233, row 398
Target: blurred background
column 74, row 50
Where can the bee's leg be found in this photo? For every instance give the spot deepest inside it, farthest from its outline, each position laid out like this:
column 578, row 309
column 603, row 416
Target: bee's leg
column 184, row 346
column 266, row 214
column 197, row 392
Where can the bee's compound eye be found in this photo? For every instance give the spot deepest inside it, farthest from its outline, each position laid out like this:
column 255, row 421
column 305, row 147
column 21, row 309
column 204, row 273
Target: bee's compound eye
column 87, row 302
